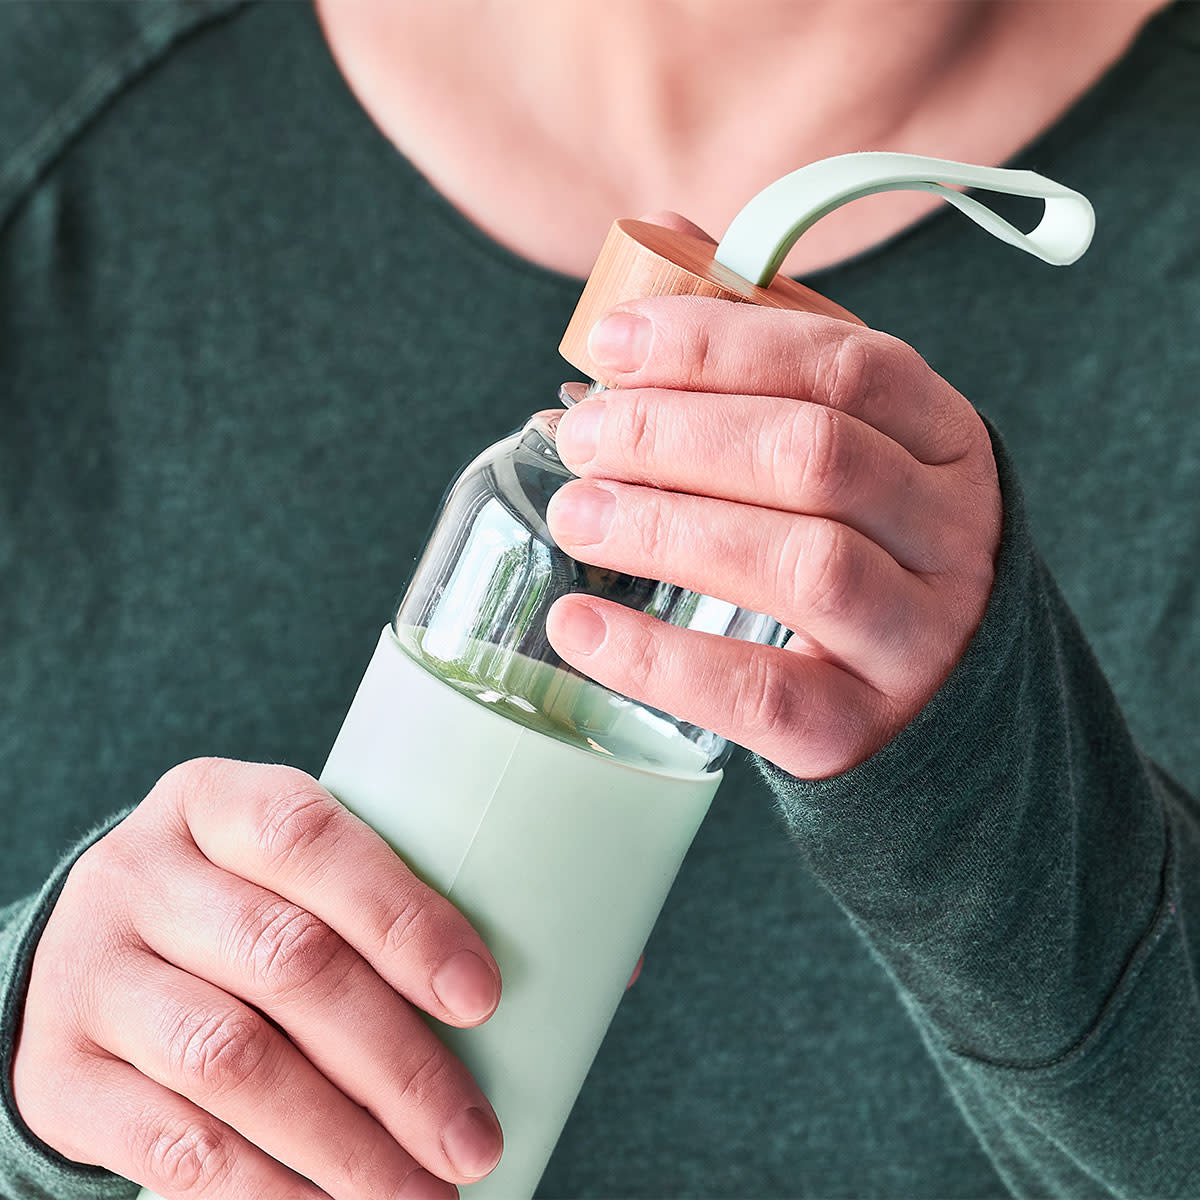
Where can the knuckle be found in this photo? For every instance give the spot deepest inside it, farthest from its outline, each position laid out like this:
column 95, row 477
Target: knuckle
column 696, row 348
column 635, row 429
column 782, row 566
column 425, row 1078
column 823, row 568
column 850, row 371
column 865, row 364
column 293, row 821
column 407, row 924
column 809, row 454
column 643, row 658
column 284, row 947
column 824, row 467
column 194, row 775
column 764, row 694
column 112, row 871
column 186, row 1157
column 972, row 444
column 653, row 524
column 94, row 866
column 356, row 1159
column 89, row 932
column 102, row 870
column 215, row 1052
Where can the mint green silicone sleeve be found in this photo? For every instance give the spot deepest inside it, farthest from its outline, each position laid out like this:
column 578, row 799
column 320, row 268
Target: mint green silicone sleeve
column 561, row 858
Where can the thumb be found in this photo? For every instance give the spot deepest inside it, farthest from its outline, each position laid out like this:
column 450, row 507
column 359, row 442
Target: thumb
column 672, row 220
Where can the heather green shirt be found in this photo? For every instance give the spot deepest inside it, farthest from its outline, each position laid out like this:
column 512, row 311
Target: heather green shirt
column 244, row 346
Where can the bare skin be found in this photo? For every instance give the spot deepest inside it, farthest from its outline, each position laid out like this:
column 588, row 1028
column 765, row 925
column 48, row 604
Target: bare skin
column 621, row 107
column 851, row 492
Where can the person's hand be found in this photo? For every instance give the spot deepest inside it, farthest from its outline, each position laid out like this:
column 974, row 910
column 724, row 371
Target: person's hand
column 795, row 465
column 226, row 1002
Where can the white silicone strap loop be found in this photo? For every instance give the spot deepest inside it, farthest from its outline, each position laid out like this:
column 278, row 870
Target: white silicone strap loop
column 760, row 236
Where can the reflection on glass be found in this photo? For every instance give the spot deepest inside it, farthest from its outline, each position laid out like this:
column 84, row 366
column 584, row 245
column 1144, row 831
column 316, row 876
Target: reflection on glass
column 475, row 614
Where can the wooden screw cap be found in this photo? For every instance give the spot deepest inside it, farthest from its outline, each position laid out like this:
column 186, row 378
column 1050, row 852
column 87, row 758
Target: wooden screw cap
column 639, row 260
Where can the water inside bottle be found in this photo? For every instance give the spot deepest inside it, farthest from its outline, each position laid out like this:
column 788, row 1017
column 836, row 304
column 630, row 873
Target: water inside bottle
column 561, row 703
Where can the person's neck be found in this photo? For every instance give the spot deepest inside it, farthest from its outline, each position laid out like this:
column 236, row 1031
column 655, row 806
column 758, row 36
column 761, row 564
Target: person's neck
column 542, row 122
column 669, row 99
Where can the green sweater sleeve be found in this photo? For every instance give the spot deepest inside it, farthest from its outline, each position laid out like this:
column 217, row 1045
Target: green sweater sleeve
column 29, row 1169
column 1025, row 876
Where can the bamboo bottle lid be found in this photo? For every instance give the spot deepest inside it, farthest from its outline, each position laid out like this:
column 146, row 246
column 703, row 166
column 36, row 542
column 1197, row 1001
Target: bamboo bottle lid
column 639, row 260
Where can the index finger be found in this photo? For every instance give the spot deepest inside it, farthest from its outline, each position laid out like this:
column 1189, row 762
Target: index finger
column 698, row 344
column 280, row 829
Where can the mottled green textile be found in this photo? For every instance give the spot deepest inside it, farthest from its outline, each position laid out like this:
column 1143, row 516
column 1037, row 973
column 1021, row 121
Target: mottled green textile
column 243, row 348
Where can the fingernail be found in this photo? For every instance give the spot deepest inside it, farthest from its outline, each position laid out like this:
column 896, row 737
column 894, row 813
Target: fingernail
column 579, row 431
column 621, row 341
column 466, row 986
column 576, row 626
column 473, row 1142
column 582, row 514
column 420, row 1185
column 570, row 394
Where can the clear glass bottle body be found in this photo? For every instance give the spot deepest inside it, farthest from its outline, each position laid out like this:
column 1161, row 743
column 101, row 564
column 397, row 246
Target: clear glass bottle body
column 475, row 612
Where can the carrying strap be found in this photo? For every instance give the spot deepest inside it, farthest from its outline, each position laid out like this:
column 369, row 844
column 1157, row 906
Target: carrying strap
column 760, row 236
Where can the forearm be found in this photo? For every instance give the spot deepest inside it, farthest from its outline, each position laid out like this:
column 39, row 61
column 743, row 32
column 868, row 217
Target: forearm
column 1116, row 1114
column 1015, row 862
